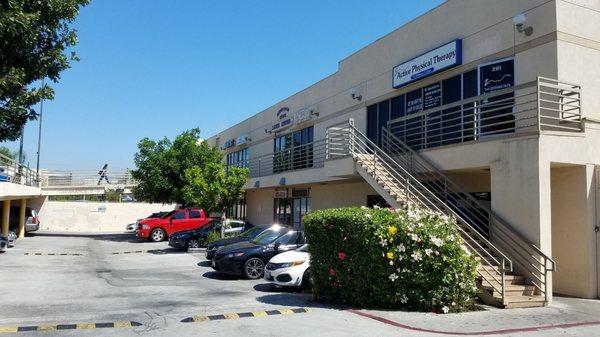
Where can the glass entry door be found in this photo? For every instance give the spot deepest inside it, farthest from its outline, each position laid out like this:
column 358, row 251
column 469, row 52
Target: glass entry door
column 291, row 211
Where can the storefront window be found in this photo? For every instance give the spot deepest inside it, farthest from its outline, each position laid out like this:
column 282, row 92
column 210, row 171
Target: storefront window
column 452, row 125
column 293, row 151
column 238, row 158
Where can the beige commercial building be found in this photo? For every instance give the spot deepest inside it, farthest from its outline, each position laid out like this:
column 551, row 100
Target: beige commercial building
column 486, row 110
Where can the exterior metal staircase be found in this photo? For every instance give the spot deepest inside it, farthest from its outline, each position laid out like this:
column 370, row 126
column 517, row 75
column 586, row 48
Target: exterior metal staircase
column 511, row 273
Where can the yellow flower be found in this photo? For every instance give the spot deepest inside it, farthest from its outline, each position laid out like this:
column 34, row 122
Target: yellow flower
column 390, row 255
column 392, row 230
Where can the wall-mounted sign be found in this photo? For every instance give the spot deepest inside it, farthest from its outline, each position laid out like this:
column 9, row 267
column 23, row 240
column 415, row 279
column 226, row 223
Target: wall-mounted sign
column 441, row 58
column 285, row 119
column 280, row 194
column 228, row 143
column 241, row 140
column 496, row 75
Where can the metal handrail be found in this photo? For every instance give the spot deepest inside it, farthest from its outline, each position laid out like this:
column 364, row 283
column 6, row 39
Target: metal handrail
column 17, row 173
column 501, row 226
column 540, row 105
column 60, row 178
column 401, row 178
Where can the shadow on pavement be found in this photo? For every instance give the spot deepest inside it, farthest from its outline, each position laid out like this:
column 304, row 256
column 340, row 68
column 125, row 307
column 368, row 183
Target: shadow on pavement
column 213, row 275
column 115, row 237
column 204, row 264
column 270, row 288
column 165, row 251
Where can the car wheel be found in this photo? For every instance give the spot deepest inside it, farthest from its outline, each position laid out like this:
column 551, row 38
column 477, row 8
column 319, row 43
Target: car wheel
column 157, row 235
column 192, row 243
column 254, row 268
column 306, row 280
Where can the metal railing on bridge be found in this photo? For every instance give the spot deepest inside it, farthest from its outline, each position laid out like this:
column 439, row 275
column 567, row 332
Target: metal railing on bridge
column 59, row 178
column 13, row 172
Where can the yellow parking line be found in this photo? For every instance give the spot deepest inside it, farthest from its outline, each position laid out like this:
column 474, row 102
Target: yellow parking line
column 199, row 319
column 8, row 329
column 123, row 324
column 231, row 316
column 86, row 325
column 46, row 327
column 259, row 314
column 286, row 311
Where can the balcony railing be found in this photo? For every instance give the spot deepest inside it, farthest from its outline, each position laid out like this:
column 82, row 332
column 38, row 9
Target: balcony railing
column 13, row 172
column 540, row 105
column 310, row 155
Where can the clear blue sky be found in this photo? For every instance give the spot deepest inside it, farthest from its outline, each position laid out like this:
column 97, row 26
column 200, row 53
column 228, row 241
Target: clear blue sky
column 157, row 68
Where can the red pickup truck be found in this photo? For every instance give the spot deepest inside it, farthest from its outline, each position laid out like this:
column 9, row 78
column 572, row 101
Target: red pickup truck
column 158, row 229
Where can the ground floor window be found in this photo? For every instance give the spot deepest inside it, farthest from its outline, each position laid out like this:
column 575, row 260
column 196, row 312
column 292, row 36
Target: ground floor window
column 290, row 211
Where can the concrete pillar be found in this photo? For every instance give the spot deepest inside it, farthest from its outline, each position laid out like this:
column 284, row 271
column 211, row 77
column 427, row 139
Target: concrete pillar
column 520, row 186
column 5, row 216
column 21, row 230
column 573, row 235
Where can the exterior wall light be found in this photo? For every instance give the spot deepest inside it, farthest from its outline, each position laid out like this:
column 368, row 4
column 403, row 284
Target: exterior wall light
column 519, row 21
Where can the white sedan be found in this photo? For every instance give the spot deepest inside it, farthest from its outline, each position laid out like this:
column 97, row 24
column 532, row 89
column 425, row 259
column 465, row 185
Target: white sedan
column 289, row 269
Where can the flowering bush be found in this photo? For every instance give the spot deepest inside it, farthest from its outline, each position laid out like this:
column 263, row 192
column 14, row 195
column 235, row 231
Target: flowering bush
column 390, row 258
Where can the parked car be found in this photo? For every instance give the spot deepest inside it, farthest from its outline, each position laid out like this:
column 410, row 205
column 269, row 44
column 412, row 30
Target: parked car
column 233, row 227
column 249, row 258
column 247, row 235
column 3, row 175
column 133, row 226
column 190, row 239
column 32, row 219
column 3, row 243
column 159, row 229
column 289, row 269
column 12, row 238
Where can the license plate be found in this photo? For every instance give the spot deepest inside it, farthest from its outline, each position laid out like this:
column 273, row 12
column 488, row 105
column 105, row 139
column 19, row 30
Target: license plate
column 214, row 264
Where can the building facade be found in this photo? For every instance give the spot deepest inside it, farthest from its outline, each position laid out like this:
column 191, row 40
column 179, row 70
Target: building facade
column 487, row 110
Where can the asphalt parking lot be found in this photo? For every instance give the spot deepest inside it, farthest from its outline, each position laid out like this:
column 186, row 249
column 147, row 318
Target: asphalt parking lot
column 113, row 285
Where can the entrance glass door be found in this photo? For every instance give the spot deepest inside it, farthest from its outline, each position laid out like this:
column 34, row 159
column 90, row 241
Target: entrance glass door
column 291, row 211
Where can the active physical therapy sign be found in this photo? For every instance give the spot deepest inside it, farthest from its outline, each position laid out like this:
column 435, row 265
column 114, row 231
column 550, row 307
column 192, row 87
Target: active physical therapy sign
column 434, row 61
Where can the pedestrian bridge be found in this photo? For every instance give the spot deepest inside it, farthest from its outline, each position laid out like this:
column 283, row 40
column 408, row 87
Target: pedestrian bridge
column 62, row 183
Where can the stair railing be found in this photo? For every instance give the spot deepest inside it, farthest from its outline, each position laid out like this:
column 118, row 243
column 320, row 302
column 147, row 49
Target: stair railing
column 528, row 258
column 386, row 169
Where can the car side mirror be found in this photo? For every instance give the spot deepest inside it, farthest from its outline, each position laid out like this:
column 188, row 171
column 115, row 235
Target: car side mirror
column 276, row 246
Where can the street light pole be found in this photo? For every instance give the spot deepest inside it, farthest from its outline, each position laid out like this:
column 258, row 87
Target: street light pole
column 37, row 167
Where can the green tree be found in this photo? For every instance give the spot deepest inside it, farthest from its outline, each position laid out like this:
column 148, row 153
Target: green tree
column 34, row 38
column 9, row 153
column 186, row 171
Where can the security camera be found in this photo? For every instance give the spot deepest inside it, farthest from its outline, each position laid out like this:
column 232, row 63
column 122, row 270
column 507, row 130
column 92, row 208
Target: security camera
column 519, row 20
column 355, row 94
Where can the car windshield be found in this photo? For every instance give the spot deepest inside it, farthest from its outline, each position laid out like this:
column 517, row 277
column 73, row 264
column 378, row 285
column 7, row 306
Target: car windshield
column 252, row 232
column 268, row 236
column 211, row 226
column 168, row 214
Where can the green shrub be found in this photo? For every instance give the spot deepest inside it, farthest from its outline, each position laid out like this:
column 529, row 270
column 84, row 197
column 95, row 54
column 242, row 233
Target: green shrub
column 386, row 258
column 210, row 237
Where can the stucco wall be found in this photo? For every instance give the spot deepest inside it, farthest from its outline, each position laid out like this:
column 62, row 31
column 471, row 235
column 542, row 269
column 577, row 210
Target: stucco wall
column 573, row 236
column 94, row 216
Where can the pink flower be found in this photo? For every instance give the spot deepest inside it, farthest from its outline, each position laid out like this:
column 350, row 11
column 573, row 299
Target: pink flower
column 331, row 272
column 341, row 255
